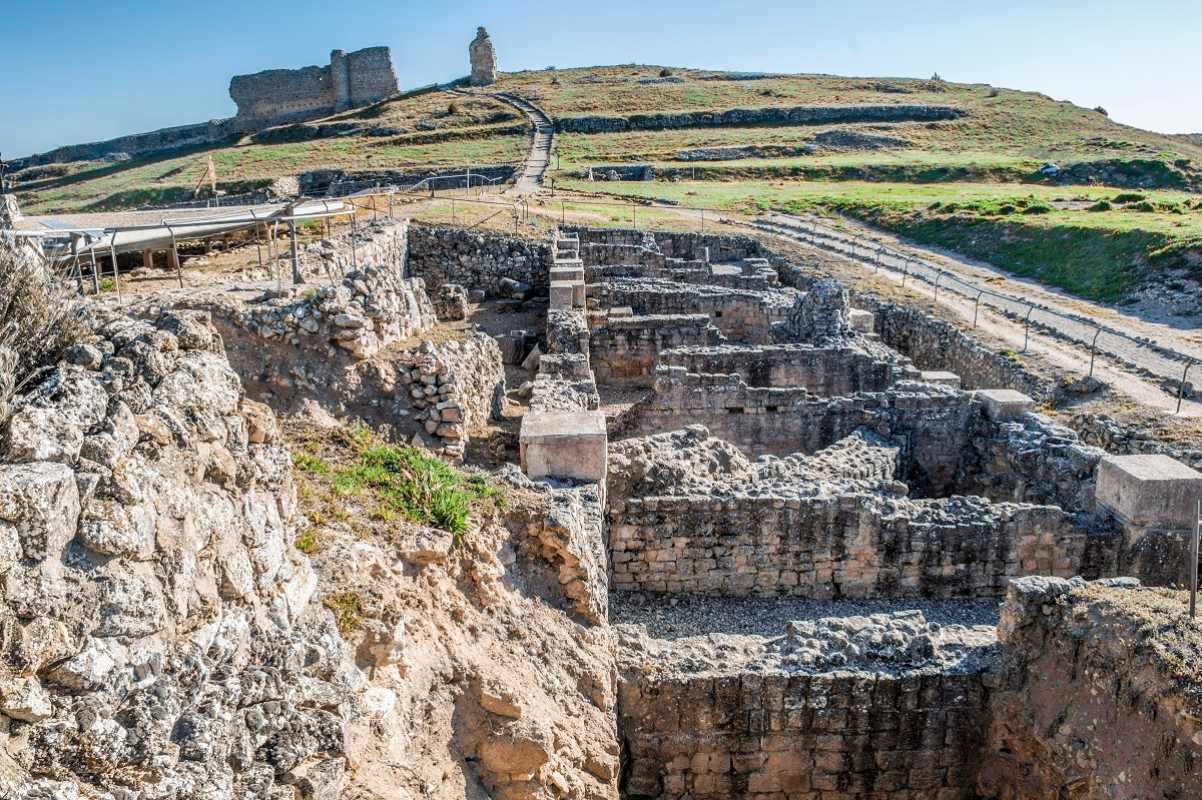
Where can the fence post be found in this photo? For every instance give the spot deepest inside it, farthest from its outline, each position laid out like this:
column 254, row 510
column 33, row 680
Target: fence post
column 1193, row 564
column 1027, row 328
column 1093, row 349
column 938, row 276
column 1181, row 388
column 905, row 274
column 179, row 271
column 116, row 271
column 296, row 276
column 976, row 306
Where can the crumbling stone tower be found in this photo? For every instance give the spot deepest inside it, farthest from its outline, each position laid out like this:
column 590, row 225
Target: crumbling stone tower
column 484, row 59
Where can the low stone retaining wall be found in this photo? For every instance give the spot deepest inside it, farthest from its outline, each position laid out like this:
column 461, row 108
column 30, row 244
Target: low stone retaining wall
column 626, row 350
column 335, row 182
column 753, row 274
column 851, row 545
column 931, row 423
column 685, row 246
column 797, row 115
column 825, row 371
column 740, row 315
column 934, row 344
column 475, row 259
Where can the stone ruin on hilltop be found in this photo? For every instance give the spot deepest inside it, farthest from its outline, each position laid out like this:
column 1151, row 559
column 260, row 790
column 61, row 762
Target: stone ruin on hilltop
column 483, row 59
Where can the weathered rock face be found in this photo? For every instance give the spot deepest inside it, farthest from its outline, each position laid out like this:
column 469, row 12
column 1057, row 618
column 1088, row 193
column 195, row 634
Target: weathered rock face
column 820, row 315
column 10, row 212
column 483, row 59
column 1098, row 697
column 156, row 636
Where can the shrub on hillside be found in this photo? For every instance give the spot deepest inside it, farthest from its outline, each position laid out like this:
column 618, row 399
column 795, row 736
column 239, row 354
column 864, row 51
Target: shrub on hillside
column 1101, row 205
column 1128, row 197
column 1037, row 208
column 665, row 73
column 39, row 316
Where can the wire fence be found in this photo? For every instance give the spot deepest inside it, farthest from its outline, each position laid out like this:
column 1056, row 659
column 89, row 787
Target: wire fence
column 1171, row 367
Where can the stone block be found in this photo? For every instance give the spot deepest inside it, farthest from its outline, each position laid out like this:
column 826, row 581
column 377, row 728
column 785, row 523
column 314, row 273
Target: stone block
column 621, row 312
column 861, row 321
column 560, row 273
column 563, row 294
column 941, row 378
column 564, row 444
column 1149, row 490
column 1004, row 405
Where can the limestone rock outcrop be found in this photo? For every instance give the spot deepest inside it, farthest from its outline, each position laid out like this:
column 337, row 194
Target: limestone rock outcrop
column 156, row 634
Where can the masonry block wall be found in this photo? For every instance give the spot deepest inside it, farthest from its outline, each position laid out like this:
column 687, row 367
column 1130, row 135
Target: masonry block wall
column 825, row 371
column 288, row 95
column 741, row 315
column 831, row 736
column 689, row 246
column 626, row 350
column 931, row 424
column 853, row 545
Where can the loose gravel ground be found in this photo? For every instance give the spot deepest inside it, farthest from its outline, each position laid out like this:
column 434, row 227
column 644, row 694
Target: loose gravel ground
column 685, row 637
column 686, row 616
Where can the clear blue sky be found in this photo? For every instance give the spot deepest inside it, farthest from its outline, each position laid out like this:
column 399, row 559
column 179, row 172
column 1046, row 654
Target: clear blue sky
column 82, row 71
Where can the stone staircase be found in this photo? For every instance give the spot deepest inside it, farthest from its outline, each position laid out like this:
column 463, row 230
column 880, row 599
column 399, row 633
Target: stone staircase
column 567, row 273
column 539, row 158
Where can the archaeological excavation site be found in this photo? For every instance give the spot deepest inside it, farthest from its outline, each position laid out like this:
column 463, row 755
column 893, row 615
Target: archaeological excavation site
column 592, row 514
column 459, row 444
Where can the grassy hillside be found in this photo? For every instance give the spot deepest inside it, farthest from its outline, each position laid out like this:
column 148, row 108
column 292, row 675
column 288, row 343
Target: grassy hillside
column 433, row 130
column 1015, row 129
column 1119, row 212
column 972, row 183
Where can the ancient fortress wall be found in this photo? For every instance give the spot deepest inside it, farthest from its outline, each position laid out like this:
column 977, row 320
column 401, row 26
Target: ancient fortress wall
column 176, row 138
column 350, row 80
column 265, row 98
